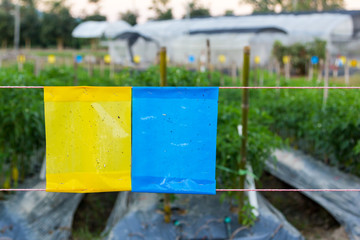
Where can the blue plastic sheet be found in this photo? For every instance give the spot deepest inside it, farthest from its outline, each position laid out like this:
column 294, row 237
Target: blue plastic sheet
column 174, row 140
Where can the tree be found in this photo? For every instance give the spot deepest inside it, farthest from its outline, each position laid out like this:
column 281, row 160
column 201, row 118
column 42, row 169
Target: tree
column 318, row 5
column 161, row 9
column 30, row 23
column 6, row 23
column 129, row 17
column 294, row 5
column 57, row 25
column 95, row 17
column 197, row 10
column 229, row 13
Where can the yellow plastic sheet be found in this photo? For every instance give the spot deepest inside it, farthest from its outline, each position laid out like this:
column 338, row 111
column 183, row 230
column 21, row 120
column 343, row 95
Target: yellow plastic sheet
column 88, row 139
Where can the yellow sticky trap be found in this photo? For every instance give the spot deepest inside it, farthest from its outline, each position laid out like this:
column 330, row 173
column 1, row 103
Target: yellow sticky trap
column 51, row 59
column 222, row 58
column 286, row 59
column 343, row 59
column 137, row 59
column 353, row 63
column 107, row 59
column 88, row 139
column 21, row 58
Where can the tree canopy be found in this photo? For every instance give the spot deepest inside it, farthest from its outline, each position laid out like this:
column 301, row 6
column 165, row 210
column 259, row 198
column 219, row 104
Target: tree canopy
column 197, row 10
column 294, row 5
column 129, row 17
column 161, row 9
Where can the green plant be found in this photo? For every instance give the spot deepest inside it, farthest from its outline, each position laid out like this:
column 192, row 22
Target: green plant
column 248, row 215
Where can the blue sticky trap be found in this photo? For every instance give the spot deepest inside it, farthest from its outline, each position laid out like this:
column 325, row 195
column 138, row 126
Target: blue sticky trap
column 191, row 58
column 78, row 59
column 314, row 60
column 174, row 140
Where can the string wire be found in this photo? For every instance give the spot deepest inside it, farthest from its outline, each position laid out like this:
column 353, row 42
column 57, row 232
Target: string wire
column 222, row 190
column 41, row 87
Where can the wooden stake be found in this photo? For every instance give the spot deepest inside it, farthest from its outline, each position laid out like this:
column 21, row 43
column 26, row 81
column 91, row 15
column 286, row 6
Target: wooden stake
column 347, row 73
column 112, row 70
column 101, row 68
column 311, row 71
column 234, row 73
column 208, row 50
column 277, row 76
column 75, row 72
column 37, row 66
column 163, row 83
column 261, row 78
column 287, row 71
column 245, row 111
column 163, row 63
column 321, row 63
column 326, row 80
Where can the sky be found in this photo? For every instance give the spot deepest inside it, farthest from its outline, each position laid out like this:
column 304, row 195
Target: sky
column 112, row 8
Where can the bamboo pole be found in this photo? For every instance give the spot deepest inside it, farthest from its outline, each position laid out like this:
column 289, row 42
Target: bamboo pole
column 163, row 83
column 311, row 71
column 208, row 49
column 234, row 73
column 245, row 111
column 347, row 73
column 278, row 73
column 163, row 63
column 112, row 69
column 326, row 80
column 75, row 72
column 320, row 68
column 37, row 66
column 101, row 68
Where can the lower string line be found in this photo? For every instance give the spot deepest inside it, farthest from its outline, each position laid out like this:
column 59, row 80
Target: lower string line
column 222, row 190
column 272, row 87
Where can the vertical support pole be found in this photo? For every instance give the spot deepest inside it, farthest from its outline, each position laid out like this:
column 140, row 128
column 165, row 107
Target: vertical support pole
column 112, row 69
column 208, row 50
column 234, row 73
column 261, row 77
column 163, row 83
column 278, row 73
column 75, row 72
column 37, row 66
column 20, row 66
column 347, row 73
column 326, row 79
column 311, row 71
column 287, row 71
column 163, row 63
column 101, row 68
column 320, row 68
column 245, row 111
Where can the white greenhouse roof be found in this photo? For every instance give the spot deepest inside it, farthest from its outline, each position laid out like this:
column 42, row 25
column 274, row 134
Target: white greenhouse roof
column 321, row 25
column 98, row 29
column 115, row 28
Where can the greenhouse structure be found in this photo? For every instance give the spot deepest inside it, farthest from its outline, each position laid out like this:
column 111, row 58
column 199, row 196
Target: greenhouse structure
column 185, row 39
column 99, row 29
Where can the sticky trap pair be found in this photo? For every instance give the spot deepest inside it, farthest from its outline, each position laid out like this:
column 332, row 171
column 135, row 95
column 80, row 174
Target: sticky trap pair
column 101, row 139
